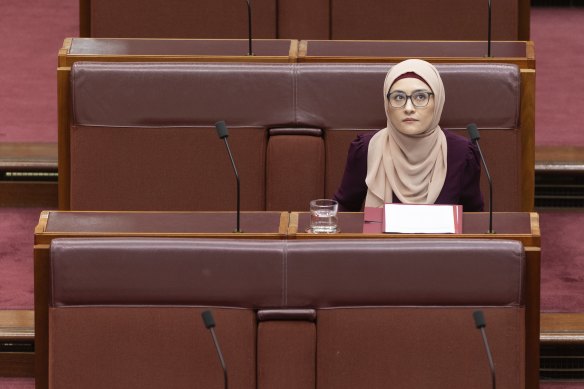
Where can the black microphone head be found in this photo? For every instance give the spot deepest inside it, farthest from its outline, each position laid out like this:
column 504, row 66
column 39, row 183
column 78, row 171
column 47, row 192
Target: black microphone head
column 221, row 128
column 479, row 319
column 208, row 319
column 473, row 132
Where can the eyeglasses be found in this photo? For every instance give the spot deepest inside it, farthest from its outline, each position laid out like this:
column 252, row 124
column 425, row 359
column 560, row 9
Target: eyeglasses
column 399, row 99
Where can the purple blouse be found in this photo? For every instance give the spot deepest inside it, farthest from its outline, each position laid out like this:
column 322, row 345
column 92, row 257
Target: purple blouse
column 461, row 186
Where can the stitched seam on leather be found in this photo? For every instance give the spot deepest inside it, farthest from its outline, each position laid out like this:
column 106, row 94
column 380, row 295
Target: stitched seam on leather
column 285, row 275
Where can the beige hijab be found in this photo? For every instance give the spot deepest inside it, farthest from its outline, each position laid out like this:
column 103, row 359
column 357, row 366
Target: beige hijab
column 412, row 165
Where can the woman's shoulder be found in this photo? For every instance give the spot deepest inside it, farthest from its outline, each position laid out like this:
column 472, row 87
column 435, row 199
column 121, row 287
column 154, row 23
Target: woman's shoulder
column 458, row 144
column 461, row 151
column 364, row 137
column 455, row 139
column 361, row 141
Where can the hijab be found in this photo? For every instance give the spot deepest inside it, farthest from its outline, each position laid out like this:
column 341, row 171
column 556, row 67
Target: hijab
column 410, row 165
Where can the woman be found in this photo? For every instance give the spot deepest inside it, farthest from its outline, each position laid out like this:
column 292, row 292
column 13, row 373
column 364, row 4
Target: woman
column 412, row 160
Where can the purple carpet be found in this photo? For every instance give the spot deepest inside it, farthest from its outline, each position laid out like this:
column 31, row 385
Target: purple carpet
column 16, row 257
column 16, row 383
column 559, row 52
column 31, row 34
column 562, row 261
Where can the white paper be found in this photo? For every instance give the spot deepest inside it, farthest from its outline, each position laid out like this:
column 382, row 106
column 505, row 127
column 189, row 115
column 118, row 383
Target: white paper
column 419, row 219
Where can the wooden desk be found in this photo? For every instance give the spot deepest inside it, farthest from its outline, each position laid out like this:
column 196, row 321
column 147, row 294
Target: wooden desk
column 265, row 225
column 520, row 53
column 175, row 50
column 521, row 226
column 55, row 224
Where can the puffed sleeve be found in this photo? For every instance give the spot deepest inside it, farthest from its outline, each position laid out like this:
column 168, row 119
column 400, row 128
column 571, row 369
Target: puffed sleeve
column 351, row 194
column 471, row 196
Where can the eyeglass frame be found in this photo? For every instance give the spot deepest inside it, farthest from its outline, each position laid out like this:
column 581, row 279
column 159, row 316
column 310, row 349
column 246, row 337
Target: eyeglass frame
column 410, row 98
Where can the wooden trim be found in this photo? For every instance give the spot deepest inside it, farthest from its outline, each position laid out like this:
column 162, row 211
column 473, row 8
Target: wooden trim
column 17, row 364
column 41, row 317
column 530, row 52
column 42, row 224
column 284, row 223
column 293, row 225
column 71, row 59
column 532, row 320
column 85, row 18
column 562, row 328
column 302, row 50
column 560, row 154
column 525, row 62
column 524, row 19
column 527, row 134
column 28, row 194
column 28, row 156
column 293, row 52
column 16, row 324
column 64, row 147
column 535, row 231
column 64, row 52
column 522, row 63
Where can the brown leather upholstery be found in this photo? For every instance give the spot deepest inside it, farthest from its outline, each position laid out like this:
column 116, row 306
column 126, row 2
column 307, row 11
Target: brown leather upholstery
column 304, row 165
column 412, row 272
column 194, row 272
column 413, row 49
column 141, row 135
column 464, row 20
column 96, row 347
column 306, row 19
column 402, row 312
column 177, row 19
column 417, row 347
column 392, row 311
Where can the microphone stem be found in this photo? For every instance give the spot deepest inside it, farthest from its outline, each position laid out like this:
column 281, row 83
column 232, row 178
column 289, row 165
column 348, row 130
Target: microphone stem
column 237, row 179
column 489, row 32
column 490, row 189
column 489, row 356
column 250, row 51
column 220, row 354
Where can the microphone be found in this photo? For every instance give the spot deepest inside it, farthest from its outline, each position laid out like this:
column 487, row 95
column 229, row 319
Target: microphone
column 489, row 31
column 480, row 323
column 473, row 132
column 250, row 51
column 223, row 134
column 210, row 325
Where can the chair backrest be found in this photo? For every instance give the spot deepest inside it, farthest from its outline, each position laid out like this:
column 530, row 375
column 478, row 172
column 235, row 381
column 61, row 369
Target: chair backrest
column 141, row 136
column 296, row 314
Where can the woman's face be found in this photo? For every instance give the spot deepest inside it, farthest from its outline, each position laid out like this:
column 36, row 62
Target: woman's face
column 410, row 119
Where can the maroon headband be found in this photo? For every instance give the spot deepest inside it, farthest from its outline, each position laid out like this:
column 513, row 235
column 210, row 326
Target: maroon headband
column 409, row 75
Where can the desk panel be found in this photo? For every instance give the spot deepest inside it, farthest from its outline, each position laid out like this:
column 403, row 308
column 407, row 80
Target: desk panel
column 60, row 224
column 520, row 53
column 521, row 226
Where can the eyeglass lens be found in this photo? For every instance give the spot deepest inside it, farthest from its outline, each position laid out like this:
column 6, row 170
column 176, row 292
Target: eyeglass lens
column 418, row 99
